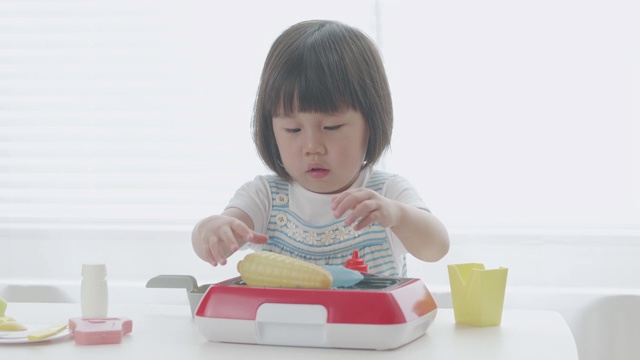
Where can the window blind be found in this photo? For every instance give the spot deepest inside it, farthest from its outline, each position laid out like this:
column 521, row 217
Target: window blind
column 134, row 113
column 104, row 115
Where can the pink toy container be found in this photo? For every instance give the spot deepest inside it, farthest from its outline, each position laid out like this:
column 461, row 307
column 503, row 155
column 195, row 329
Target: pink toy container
column 99, row 331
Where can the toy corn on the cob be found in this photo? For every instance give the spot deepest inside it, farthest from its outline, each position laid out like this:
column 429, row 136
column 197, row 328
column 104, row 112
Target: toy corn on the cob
column 275, row 270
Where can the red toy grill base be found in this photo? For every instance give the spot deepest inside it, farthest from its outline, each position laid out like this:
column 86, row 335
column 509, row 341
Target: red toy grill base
column 380, row 313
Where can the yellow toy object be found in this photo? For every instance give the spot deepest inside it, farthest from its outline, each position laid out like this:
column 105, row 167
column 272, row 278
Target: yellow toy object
column 477, row 294
column 275, row 270
column 7, row 323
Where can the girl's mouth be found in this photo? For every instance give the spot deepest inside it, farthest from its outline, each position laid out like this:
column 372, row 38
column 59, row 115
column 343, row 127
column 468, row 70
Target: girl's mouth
column 318, row 173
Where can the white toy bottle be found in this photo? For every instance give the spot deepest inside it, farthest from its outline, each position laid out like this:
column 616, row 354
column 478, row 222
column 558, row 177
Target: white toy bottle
column 94, row 293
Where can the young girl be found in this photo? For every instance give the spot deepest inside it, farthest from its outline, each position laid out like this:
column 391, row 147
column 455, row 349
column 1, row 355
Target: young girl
column 323, row 118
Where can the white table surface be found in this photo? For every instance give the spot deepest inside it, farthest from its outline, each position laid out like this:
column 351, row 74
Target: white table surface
column 169, row 332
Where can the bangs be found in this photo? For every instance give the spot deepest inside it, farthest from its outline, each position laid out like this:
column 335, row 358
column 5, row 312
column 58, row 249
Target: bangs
column 315, row 78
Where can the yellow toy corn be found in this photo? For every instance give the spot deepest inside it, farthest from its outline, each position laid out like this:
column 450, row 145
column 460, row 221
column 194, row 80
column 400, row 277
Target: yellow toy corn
column 275, row 270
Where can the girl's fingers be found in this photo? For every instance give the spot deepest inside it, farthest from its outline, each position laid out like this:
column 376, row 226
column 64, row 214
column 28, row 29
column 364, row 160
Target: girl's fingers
column 240, row 230
column 209, row 256
column 228, row 240
column 350, row 200
column 258, row 238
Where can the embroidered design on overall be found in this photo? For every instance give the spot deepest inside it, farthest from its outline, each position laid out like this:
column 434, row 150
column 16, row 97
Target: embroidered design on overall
column 327, row 244
column 292, row 230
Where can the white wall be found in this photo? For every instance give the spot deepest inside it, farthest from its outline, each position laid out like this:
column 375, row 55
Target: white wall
column 516, row 121
column 518, row 113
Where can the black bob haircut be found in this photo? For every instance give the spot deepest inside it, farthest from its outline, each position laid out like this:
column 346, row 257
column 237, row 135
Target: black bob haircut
column 322, row 66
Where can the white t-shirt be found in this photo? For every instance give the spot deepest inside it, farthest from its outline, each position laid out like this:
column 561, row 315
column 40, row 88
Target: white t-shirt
column 254, row 198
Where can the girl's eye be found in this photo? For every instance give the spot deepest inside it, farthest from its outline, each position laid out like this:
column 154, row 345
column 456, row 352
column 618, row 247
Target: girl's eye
column 334, row 127
column 292, row 131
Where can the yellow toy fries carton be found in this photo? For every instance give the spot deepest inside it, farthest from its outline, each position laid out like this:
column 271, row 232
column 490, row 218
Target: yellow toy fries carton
column 477, row 294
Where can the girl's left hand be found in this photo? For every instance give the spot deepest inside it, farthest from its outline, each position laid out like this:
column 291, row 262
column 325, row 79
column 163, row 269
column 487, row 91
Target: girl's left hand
column 366, row 206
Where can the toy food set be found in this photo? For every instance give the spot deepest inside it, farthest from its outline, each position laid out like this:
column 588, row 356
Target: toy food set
column 188, row 282
column 46, row 332
column 477, row 294
column 99, row 331
column 7, row 323
column 85, row 330
column 14, row 332
column 279, row 300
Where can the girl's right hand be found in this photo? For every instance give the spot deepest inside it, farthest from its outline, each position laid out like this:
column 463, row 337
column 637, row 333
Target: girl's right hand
column 217, row 237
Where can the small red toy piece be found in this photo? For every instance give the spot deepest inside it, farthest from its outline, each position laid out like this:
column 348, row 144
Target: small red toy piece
column 356, row 263
column 99, row 331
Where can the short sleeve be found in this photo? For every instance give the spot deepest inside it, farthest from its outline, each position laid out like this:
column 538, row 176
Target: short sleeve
column 400, row 189
column 254, row 198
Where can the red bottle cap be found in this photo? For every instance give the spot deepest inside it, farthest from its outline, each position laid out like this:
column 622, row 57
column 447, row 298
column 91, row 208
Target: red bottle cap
column 356, row 263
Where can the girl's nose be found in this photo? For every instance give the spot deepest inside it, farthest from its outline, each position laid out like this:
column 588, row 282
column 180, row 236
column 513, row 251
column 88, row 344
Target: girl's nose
column 313, row 144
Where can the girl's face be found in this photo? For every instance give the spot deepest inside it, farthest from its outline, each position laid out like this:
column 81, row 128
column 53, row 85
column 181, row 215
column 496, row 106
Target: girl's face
column 322, row 152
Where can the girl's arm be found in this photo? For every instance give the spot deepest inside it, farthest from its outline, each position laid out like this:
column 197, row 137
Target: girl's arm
column 421, row 233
